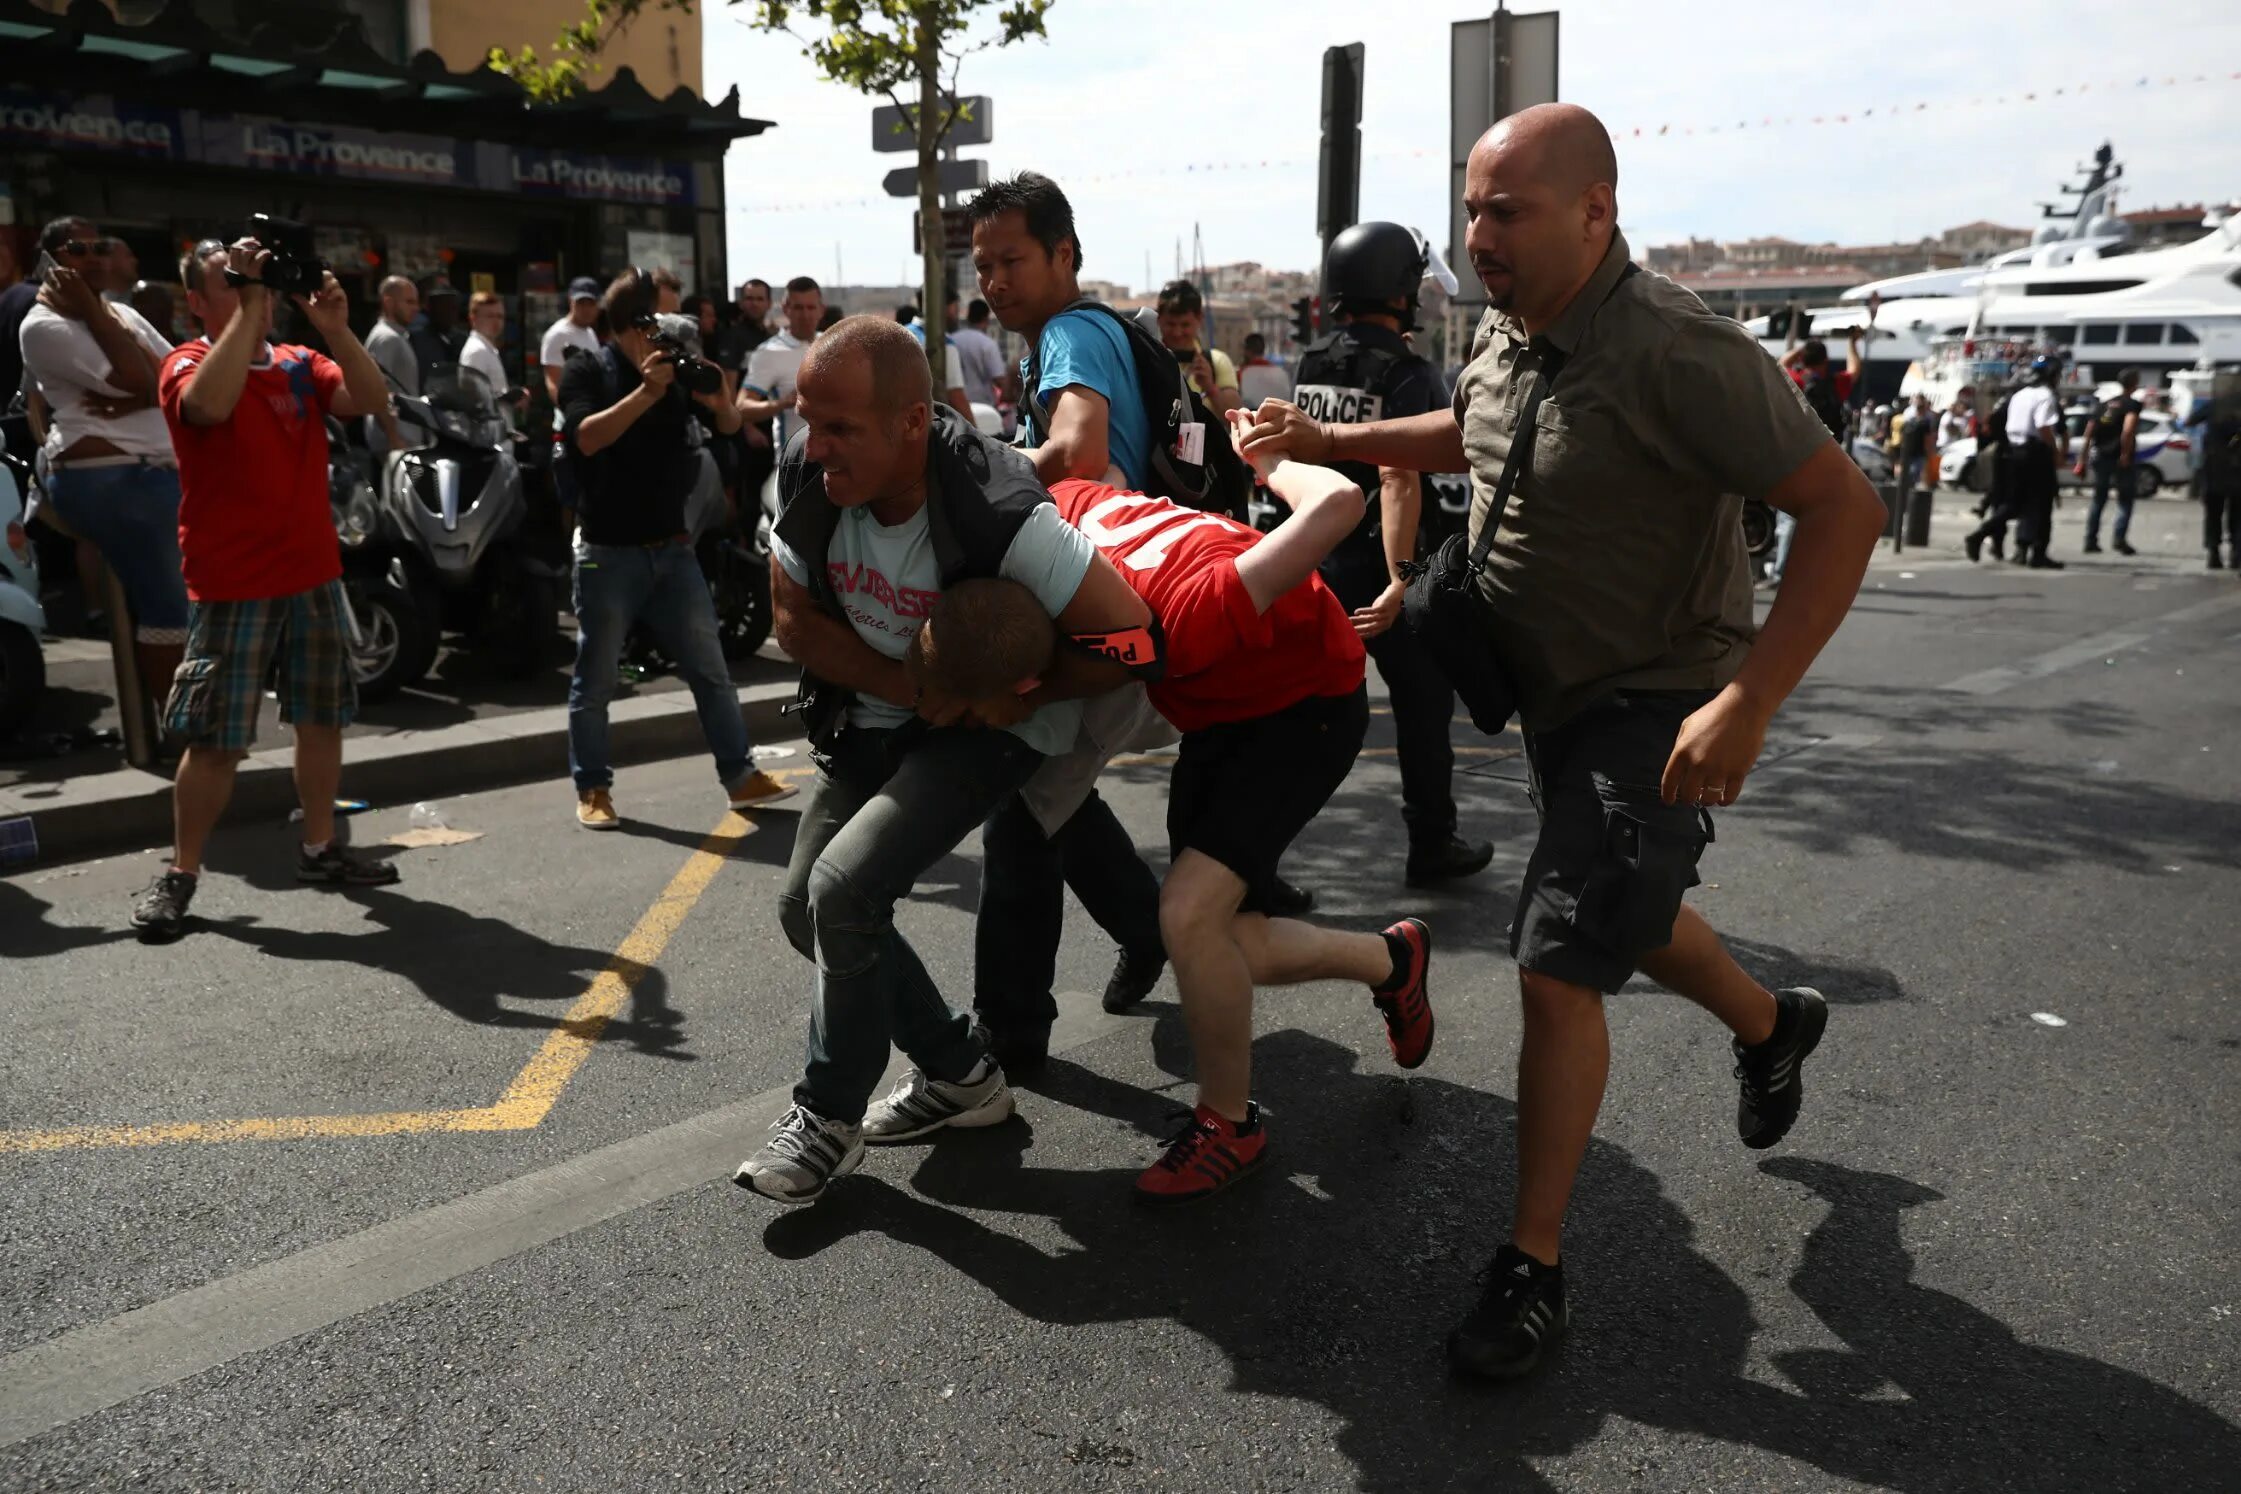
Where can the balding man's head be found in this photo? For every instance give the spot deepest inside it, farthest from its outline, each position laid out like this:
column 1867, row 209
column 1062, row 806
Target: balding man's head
column 866, row 394
column 1540, row 194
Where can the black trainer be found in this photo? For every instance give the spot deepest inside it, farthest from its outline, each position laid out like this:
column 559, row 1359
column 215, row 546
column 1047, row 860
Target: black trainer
column 1288, row 901
column 1519, row 1317
column 1134, row 975
column 337, row 867
column 2124, row 547
column 1447, row 859
column 1019, row 1051
column 1771, row 1073
column 161, row 913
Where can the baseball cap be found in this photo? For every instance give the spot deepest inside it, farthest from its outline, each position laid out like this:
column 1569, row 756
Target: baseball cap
column 437, row 285
column 583, row 288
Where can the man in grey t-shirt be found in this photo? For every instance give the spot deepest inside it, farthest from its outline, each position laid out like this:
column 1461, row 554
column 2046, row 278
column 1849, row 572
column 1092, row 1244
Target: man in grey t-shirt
column 884, row 499
column 1617, row 598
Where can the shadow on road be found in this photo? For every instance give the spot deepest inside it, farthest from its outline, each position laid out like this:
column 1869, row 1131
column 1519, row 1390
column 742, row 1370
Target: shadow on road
column 468, row 965
column 1333, row 1285
column 26, row 933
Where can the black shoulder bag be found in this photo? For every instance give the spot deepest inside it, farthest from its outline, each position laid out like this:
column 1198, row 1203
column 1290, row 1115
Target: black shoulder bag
column 1442, row 608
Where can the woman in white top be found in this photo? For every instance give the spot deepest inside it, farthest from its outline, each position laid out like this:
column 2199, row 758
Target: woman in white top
column 111, row 473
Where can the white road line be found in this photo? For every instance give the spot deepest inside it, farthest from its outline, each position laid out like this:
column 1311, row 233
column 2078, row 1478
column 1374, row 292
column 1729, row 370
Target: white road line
column 91, row 1368
column 2085, row 650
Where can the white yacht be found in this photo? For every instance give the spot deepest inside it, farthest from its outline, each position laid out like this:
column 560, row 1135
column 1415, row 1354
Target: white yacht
column 2081, row 288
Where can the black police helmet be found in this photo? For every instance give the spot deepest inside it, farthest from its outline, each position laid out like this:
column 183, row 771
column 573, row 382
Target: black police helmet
column 2045, row 369
column 1374, row 262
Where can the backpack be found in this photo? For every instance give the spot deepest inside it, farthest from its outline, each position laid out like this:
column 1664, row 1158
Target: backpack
column 1820, row 393
column 1220, row 483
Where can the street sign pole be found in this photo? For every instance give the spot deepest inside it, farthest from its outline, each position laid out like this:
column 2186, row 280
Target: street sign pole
column 1338, row 194
column 1496, row 67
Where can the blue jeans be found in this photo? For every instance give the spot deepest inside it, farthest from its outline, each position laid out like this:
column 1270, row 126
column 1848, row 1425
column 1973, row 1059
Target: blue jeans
column 2107, row 474
column 132, row 516
column 887, row 805
column 617, row 587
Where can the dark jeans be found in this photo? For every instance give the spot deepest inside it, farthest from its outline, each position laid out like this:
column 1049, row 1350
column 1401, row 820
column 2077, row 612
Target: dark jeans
column 886, row 806
column 662, row 587
column 1023, row 881
column 1423, row 701
column 2107, row 474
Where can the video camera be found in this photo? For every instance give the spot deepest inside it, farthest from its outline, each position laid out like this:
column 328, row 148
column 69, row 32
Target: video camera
column 295, row 269
column 695, row 374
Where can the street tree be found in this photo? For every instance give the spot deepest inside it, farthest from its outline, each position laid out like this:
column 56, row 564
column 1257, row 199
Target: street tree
column 901, row 50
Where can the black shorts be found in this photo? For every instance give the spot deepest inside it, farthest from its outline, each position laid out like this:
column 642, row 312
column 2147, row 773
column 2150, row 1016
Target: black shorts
column 1605, row 879
column 1243, row 790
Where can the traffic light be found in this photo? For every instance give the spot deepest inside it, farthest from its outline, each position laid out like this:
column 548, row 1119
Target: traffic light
column 1303, row 320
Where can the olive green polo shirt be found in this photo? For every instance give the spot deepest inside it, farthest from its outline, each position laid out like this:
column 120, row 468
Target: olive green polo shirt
column 1620, row 563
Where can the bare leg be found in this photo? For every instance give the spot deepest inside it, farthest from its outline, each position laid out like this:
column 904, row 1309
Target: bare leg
column 1286, row 952
column 1697, row 965
column 1561, row 1068
column 318, row 775
column 198, row 800
column 1197, row 916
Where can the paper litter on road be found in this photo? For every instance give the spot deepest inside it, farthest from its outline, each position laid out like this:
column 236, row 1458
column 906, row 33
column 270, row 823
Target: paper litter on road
column 2048, row 1019
column 771, row 754
column 422, row 836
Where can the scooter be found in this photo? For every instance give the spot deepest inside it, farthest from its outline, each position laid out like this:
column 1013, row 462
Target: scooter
column 394, row 623
column 457, row 506
column 23, row 666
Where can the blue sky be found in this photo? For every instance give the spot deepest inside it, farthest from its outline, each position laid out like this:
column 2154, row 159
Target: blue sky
column 1127, row 93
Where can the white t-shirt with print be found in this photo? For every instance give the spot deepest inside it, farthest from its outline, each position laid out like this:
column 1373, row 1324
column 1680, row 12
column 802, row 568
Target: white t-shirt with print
column 888, row 580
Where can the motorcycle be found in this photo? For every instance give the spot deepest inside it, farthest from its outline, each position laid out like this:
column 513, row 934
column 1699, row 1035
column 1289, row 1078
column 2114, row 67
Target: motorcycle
column 458, row 512
column 23, row 665
column 734, row 558
column 393, row 621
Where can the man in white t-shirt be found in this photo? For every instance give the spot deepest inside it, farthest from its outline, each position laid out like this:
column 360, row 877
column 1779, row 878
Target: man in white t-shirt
column 768, row 394
column 486, row 323
column 572, row 331
column 111, row 473
column 2036, row 434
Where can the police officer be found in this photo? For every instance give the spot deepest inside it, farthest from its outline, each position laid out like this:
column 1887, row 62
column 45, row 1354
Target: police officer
column 2037, row 443
column 1360, row 373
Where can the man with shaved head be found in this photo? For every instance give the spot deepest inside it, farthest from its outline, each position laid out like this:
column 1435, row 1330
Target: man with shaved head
column 1612, row 427
column 890, row 499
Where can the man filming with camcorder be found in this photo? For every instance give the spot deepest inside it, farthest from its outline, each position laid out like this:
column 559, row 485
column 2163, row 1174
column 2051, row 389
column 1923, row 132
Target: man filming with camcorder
column 257, row 544
column 626, row 424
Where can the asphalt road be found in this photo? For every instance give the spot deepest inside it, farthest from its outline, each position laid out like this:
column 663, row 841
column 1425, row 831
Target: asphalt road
column 466, row 1237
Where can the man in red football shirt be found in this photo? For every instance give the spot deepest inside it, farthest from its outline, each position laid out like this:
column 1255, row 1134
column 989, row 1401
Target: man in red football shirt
column 263, row 568
column 1263, row 675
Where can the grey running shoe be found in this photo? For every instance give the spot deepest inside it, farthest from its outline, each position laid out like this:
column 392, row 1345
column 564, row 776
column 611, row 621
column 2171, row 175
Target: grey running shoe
column 919, row 1104
column 804, row 1154
column 161, row 913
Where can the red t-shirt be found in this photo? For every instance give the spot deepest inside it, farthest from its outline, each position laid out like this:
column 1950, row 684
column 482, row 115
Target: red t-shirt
column 1225, row 661
column 1841, row 376
column 253, row 515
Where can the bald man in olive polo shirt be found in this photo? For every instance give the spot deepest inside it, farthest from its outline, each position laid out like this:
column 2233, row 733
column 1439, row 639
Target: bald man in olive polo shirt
column 1618, row 598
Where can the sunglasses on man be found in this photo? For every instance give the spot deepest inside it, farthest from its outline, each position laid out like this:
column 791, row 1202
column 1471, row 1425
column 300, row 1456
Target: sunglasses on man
column 77, row 247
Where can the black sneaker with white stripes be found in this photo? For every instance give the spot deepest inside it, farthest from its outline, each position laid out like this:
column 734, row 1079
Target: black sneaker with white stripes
column 1771, row 1074
column 920, row 1103
column 1518, row 1319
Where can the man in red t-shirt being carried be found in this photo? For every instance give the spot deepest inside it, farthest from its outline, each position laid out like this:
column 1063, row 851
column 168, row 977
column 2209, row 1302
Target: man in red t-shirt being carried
column 263, row 568
column 1263, row 675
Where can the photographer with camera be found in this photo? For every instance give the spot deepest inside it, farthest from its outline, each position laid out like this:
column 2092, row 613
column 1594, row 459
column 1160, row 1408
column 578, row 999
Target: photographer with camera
column 626, row 413
column 257, row 539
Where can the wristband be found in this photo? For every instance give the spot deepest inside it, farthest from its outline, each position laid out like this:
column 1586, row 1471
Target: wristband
column 1142, row 651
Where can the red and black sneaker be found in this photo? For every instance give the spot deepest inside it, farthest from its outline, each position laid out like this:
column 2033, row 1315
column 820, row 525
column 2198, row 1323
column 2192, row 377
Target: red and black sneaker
column 1206, row 1156
column 1406, row 999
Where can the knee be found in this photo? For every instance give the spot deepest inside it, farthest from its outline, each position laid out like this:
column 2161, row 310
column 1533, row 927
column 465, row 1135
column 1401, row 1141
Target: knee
column 794, row 922
column 1550, row 1000
column 844, row 920
column 1188, row 918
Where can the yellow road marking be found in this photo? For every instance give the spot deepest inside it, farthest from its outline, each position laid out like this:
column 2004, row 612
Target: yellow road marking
column 534, row 1090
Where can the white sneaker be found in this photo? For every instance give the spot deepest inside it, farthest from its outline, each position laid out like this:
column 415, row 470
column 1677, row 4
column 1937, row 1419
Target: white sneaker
column 803, row 1156
column 919, row 1105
